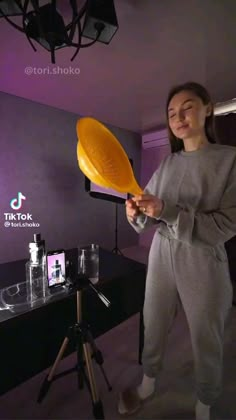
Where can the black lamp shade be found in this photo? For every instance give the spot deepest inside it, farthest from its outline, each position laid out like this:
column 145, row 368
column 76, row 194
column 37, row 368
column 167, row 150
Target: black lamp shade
column 10, row 8
column 53, row 31
column 100, row 13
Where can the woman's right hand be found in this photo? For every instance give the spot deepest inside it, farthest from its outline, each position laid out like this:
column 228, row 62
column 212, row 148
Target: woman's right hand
column 132, row 210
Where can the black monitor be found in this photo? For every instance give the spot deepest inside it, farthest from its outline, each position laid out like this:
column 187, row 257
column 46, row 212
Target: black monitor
column 105, row 193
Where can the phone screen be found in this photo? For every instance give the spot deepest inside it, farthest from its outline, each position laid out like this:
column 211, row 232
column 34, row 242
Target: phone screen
column 56, row 268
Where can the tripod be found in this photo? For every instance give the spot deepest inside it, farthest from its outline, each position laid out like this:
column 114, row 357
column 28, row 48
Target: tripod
column 116, row 250
column 84, row 344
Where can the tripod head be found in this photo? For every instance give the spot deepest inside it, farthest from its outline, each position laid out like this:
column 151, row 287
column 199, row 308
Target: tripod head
column 81, row 282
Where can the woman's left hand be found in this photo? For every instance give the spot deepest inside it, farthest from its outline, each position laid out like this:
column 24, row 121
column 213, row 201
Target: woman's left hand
column 149, row 204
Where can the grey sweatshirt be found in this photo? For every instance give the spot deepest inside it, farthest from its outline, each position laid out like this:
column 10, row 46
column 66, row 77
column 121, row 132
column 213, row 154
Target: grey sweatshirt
column 199, row 193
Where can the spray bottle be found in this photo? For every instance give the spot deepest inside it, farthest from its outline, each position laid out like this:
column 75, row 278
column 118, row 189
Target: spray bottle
column 36, row 275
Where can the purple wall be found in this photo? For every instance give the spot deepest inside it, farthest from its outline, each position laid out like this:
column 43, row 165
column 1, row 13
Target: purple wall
column 38, row 158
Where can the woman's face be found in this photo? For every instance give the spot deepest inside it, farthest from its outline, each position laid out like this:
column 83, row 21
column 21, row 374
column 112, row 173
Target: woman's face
column 187, row 115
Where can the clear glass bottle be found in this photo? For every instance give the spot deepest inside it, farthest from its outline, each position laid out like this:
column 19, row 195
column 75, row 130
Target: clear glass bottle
column 88, row 262
column 36, row 276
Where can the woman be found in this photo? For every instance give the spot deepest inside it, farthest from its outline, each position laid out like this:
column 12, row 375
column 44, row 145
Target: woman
column 192, row 199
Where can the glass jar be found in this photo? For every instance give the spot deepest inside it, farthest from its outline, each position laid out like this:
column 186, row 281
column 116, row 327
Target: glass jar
column 88, row 262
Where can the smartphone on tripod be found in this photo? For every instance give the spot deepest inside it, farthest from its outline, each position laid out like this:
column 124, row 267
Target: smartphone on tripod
column 56, row 268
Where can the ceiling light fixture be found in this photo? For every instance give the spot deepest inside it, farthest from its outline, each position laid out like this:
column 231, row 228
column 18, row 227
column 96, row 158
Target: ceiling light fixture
column 95, row 20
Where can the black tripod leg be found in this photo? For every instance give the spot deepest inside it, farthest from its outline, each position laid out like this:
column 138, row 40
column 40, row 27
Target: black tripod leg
column 116, row 250
column 98, row 357
column 141, row 337
column 48, row 380
column 97, row 403
column 105, row 377
column 80, row 358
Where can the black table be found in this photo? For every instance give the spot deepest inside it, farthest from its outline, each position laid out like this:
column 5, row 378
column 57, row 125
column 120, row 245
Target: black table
column 31, row 340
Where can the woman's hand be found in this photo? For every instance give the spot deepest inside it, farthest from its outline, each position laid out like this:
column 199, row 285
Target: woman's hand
column 149, row 204
column 132, row 210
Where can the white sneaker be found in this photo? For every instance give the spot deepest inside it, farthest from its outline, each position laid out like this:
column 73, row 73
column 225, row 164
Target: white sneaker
column 202, row 411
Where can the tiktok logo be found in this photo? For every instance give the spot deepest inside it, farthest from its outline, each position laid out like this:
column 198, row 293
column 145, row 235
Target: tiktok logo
column 19, row 220
column 16, row 203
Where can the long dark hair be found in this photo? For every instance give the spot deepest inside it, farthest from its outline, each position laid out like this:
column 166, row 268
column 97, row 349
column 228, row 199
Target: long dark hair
column 200, row 91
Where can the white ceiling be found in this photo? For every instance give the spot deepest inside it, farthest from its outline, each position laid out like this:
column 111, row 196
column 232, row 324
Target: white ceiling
column 125, row 84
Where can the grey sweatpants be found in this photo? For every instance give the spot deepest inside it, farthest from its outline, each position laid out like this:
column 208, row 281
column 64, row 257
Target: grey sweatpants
column 202, row 282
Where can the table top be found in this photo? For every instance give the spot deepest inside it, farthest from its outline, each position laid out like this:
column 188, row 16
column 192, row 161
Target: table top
column 111, row 266
column 36, row 334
